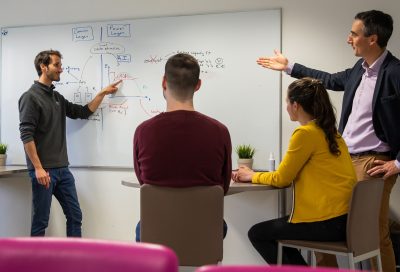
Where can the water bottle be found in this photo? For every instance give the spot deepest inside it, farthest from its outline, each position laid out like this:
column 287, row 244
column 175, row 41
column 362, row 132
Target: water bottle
column 271, row 162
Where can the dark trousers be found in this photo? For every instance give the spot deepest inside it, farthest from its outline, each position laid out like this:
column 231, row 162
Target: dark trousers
column 264, row 236
column 62, row 186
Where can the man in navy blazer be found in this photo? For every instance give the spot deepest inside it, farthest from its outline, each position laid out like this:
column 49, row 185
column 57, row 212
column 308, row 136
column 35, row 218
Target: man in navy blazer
column 370, row 121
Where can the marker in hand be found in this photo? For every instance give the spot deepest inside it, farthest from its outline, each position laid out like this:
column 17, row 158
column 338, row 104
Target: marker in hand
column 120, row 83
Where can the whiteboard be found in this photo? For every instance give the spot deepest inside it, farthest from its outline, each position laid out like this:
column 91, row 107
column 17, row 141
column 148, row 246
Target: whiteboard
column 235, row 90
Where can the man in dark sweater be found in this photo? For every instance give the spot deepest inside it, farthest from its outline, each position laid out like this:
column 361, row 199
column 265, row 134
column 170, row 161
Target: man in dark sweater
column 43, row 113
column 182, row 147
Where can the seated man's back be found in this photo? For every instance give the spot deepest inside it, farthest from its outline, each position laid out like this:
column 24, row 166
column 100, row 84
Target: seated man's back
column 183, row 148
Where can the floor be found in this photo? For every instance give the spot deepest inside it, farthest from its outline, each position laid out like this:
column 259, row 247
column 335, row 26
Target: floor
column 187, row 268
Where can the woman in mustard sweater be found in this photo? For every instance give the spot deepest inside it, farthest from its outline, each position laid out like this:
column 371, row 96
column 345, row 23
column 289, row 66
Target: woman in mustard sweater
column 319, row 167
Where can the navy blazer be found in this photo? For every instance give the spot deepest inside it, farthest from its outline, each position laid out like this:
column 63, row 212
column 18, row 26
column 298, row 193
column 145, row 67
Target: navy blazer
column 385, row 103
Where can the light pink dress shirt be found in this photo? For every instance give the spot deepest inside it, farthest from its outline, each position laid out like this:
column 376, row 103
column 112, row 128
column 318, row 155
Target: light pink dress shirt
column 359, row 132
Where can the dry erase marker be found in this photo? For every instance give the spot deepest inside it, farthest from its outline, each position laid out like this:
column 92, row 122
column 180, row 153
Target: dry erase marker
column 119, row 87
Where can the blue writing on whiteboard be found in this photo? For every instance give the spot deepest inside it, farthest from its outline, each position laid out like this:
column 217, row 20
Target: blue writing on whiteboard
column 119, row 30
column 123, row 57
column 82, row 34
column 107, row 48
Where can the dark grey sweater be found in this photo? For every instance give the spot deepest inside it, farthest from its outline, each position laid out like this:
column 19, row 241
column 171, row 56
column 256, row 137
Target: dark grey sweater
column 42, row 115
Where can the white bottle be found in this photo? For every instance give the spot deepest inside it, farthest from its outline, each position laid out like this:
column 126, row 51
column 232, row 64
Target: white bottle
column 271, row 162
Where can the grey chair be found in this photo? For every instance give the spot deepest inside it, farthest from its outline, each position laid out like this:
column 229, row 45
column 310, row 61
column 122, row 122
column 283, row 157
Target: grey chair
column 188, row 220
column 362, row 228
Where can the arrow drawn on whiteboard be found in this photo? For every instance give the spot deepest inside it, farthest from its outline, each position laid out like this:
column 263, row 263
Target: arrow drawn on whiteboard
column 119, row 104
column 84, row 66
column 145, row 111
column 72, row 75
column 134, row 96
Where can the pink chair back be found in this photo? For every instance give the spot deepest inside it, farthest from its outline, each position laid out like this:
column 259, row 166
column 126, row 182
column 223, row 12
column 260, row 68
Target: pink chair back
column 84, row 255
column 266, row 268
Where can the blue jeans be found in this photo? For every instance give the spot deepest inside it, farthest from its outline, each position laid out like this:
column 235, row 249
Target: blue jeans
column 62, row 186
column 137, row 231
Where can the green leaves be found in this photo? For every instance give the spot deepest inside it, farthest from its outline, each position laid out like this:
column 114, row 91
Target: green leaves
column 3, row 148
column 245, row 151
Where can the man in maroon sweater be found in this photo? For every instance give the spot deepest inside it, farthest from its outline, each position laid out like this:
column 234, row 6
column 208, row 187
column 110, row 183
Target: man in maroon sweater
column 182, row 147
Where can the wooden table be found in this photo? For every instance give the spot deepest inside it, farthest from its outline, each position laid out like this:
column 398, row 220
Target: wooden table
column 234, row 188
column 7, row 169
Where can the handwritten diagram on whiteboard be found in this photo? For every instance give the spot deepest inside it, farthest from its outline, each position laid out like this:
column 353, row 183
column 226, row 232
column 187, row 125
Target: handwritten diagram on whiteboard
column 97, row 54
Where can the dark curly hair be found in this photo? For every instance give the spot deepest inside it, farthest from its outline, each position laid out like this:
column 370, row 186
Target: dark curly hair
column 44, row 57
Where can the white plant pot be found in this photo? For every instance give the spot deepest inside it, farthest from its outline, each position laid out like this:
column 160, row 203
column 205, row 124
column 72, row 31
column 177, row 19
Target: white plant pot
column 3, row 158
column 245, row 162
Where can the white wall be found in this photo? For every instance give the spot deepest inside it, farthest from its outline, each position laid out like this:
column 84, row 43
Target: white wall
column 313, row 33
column 15, row 205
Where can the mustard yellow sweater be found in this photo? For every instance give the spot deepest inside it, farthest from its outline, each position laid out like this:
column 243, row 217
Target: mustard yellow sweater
column 322, row 181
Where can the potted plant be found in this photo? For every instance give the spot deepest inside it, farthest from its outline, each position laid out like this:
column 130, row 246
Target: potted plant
column 3, row 155
column 245, row 154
